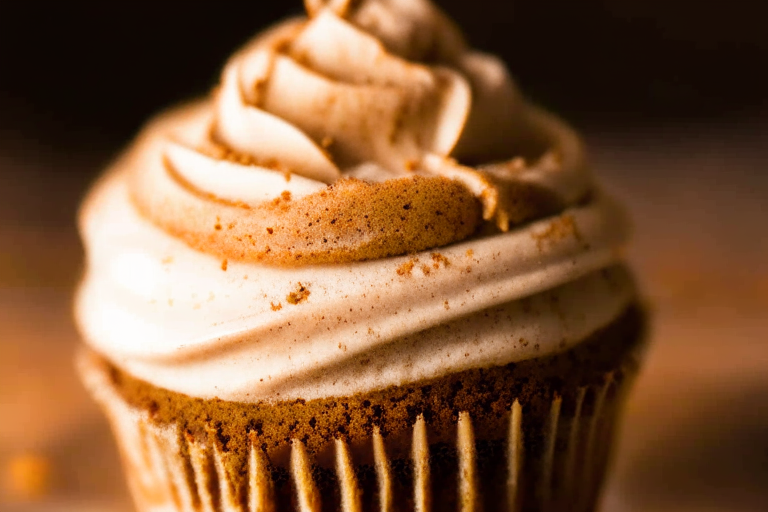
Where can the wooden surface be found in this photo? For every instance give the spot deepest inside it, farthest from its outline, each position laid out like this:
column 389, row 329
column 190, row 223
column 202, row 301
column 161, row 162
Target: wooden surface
column 696, row 430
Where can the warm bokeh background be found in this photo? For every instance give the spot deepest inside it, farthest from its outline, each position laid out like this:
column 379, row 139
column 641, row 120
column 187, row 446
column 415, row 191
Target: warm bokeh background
column 670, row 95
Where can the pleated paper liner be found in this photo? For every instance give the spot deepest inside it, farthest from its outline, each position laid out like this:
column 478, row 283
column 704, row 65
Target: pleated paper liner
column 553, row 461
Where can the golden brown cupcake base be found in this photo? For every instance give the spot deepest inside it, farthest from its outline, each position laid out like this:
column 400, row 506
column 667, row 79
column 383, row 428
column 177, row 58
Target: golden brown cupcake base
column 536, row 433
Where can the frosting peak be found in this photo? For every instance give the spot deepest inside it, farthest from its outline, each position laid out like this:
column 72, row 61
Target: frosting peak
column 370, row 99
column 412, row 29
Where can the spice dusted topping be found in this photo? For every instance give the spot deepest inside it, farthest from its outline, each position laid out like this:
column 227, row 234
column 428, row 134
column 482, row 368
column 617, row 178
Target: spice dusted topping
column 438, row 259
column 559, row 228
column 406, row 268
column 368, row 151
column 299, row 295
column 250, row 343
column 349, row 221
column 380, row 91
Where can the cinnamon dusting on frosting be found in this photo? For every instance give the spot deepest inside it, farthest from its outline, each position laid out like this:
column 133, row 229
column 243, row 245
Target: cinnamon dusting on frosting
column 438, row 259
column 299, row 295
column 406, row 268
column 220, row 151
column 344, row 89
column 561, row 227
column 349, row 221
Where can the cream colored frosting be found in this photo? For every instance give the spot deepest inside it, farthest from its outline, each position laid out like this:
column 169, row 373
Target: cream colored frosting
column 174, row 294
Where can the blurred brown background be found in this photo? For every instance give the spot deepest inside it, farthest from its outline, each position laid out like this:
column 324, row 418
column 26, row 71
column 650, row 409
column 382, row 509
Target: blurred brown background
column 670, row 95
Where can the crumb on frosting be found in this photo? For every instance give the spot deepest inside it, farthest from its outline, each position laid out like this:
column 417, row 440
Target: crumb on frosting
column 299, row 295
column 399, row 214
column 438, row 259
column 559, row 228
column 406, row 268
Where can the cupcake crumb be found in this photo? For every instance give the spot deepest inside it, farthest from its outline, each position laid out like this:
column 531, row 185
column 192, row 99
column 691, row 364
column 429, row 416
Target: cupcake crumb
column 438, row 258
column 300, row 295
column 276, row 307
column 406, row 268
column 560, row 228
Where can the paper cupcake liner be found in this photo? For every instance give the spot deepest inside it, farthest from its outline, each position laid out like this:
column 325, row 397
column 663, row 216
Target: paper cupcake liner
column 555, row 464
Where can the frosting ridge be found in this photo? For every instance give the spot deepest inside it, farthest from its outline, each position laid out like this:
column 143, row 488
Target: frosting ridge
column 172, row 316
column 339, row 102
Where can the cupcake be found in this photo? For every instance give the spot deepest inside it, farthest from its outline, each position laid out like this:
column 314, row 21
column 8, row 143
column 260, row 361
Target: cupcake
column 363, row 274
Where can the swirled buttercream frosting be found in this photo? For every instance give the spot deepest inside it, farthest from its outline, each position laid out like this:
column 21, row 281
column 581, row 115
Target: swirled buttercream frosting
column 363, row 201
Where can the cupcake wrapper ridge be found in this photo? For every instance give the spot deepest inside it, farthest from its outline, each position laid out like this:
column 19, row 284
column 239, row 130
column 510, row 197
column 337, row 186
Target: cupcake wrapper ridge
column 174, row 471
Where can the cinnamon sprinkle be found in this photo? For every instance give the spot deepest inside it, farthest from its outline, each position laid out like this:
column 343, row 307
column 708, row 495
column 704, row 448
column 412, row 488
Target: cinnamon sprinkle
column 406, row 268
column 438, row 258
column 300, row 295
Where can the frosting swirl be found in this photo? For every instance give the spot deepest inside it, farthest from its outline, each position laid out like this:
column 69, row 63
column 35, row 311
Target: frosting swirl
column 364, row 201
column 347, row 137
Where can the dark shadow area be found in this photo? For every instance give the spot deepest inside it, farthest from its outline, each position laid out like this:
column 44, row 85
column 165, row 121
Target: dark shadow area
column 82, row 74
